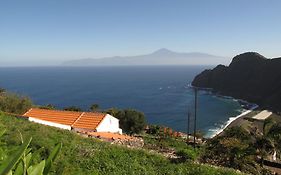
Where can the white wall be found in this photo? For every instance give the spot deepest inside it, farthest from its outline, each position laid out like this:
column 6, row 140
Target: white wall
column 109, row 124
column 49, row 123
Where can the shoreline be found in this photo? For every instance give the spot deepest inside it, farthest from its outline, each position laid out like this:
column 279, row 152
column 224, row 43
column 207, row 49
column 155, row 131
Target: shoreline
column 232, row 120
column 249, row 107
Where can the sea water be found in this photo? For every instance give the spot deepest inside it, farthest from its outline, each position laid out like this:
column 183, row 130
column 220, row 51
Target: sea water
column 161, row 92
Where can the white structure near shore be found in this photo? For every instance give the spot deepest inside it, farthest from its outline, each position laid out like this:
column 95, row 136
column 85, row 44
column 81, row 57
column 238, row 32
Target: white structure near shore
column 262, row 115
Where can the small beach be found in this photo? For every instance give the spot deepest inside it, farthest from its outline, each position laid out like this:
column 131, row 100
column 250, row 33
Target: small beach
column 235, row 121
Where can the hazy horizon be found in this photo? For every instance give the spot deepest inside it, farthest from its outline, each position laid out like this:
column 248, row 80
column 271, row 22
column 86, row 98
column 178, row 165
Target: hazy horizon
column 48, row 33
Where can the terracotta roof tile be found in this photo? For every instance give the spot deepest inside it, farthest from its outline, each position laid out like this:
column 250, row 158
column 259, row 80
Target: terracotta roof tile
column 89, row 120
column 85, row 120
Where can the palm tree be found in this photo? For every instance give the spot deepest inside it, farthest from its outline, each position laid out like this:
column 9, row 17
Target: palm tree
column 275, row 134
column 264, row 145
column 267, row 142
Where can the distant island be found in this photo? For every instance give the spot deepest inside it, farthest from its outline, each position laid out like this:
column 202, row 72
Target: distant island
column 250, row 76
column 159, row 57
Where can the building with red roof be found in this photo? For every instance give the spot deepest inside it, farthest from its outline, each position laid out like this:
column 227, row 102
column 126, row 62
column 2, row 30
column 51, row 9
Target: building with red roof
column 78, row 121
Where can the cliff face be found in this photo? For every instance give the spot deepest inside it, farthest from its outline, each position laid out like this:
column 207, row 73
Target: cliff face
column 250, row 76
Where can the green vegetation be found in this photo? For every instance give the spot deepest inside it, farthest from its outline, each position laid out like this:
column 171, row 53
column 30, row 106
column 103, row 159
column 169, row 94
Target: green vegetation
column 89, row 156
column 245, row 149
column 2, row 90
column 13, row 103
column 131, row 121
column 21, row 161
column 187, row 154
column 48, row 106
column 164, row 142
column 165, row 138
column 162, row 139
column 73, row 108
column 233, row 149
column 94, row 107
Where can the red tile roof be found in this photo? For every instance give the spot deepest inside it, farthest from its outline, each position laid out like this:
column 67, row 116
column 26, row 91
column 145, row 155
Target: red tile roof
column 84, row 120
column 89, row 120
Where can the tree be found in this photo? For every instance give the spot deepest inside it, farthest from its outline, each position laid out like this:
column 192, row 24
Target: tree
column 233, row 149
column 72, row 108
column 2, row 91
column 272, row 136
column 265, row 142
column 154, row 130
column 131, row 121
column 94, row 107
column 48, row 106
column 13, row 103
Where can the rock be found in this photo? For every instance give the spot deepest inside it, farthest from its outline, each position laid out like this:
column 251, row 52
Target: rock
column 250, row 76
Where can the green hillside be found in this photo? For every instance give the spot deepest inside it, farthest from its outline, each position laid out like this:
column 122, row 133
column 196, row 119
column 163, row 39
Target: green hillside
column 81, row 155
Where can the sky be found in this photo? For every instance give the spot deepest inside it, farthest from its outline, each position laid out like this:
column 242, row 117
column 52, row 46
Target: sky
column 52, row 31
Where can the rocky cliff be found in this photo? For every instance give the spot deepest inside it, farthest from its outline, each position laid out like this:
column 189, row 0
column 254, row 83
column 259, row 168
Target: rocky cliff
column 250, row 76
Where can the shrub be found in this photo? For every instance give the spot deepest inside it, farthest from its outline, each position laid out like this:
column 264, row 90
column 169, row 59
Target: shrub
column 48, row 106
column 94, row 107
column 154, row 130
column 187, row 154
column 81, row 155
column 13, row 103
column 20, row 161
column 73, row 108
column 131, row 121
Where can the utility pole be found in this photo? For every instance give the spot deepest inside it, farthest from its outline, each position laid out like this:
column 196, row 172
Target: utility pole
column 188, row 124
column 195, row 116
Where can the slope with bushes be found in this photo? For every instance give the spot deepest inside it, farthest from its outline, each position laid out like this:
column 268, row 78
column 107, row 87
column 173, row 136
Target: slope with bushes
column 89, row 156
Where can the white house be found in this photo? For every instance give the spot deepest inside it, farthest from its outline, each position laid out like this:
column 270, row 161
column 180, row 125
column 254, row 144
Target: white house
column 79, row 121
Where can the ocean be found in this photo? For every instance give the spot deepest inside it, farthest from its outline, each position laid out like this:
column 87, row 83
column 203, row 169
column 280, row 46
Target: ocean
column 161, row 92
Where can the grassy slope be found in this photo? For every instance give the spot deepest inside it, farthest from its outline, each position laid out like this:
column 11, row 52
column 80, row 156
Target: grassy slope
column 88, row 156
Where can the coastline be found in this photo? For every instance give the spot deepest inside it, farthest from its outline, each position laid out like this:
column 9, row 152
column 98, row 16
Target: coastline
column 231, row 121
column 249, row 107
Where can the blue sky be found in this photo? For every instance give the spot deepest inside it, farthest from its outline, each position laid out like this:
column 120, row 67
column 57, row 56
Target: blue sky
column 51, row 31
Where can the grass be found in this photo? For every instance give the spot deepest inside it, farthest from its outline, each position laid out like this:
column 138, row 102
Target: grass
column 164, row 143
column 81, row 155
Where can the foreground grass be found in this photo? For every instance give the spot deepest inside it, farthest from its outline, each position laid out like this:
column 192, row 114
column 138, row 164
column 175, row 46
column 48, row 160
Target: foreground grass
column 89, row 156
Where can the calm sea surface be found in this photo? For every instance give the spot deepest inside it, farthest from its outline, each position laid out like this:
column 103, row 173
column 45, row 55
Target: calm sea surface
column 162, row 93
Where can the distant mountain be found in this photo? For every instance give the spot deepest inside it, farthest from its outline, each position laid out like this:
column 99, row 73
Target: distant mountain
column 250, row 76
column 159, row 57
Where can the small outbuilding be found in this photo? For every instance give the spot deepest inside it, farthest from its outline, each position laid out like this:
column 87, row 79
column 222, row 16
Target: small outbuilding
column 78, row 121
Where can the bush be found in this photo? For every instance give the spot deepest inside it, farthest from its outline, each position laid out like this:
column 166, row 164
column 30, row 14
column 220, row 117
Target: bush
column 187, row 154
column 234, row 149
column 154, row 130
column 13, row 103
column 131, row 121
column 73, row 108
column 48, row 106
column 81, row 155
